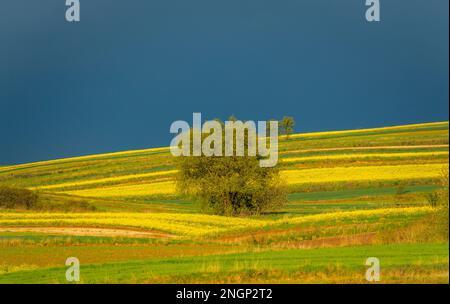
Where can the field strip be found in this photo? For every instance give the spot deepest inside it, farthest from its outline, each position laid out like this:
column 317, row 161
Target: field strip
column 166, row 149
column 167, row 187
column 366, row 173
column 297, row 266
column 292, row 177
column 193, row 225
column 82, row 158
column 365, row 148
column 88, row 231
column 120, row 178
column 366, row 156
column 356, row 131
column 131, row 177
column 340, row 215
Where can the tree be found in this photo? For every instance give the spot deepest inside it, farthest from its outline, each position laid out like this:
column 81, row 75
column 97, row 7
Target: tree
column 287, row 125
column 232, row 118
column 230, row 185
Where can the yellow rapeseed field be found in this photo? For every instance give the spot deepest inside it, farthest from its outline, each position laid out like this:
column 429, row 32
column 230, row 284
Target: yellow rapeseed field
column 292, row 177
column 84, row 158
column 357, row 156
column 146, row 189
column 385, row 212
column 120, row 178
column 175, row 223
column 166, row 149
column 393, row 128
column 364, row 173
column 191, row 225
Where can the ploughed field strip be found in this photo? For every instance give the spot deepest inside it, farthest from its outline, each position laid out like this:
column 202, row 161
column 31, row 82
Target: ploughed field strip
column 349, row 190
column 87, row 231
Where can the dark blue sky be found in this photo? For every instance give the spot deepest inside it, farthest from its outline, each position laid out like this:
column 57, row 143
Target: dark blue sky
column 117, row 79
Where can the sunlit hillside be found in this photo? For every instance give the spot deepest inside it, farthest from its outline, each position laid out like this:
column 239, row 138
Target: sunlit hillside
column 352, row 194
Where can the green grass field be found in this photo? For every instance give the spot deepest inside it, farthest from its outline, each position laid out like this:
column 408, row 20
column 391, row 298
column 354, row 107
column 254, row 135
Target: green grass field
column 322, row 265
column 352, row 195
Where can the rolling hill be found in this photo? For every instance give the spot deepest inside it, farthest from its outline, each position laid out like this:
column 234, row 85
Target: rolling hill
column 364, row 190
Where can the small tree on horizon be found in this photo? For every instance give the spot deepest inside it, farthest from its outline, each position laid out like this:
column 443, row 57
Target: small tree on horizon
column 287, row 125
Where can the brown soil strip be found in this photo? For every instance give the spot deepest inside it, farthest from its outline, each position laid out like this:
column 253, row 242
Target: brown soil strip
column 88, row 231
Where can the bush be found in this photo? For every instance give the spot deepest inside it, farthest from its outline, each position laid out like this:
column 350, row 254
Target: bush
column 433, row 199
column 439, row 200
column 16, row 198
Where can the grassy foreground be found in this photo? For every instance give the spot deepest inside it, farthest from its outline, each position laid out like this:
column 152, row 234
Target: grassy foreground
column 401, row 263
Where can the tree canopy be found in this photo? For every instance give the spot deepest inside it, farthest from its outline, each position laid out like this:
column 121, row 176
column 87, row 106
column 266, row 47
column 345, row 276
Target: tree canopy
column 231, row 185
